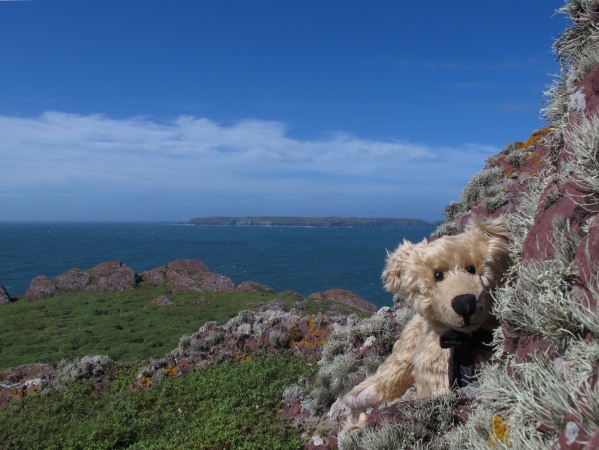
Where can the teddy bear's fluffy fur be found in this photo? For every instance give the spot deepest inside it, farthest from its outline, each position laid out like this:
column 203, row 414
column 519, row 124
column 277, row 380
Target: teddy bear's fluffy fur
column 430, row 276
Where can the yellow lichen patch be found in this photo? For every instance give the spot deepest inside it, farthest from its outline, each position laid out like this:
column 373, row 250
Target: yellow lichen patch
column 500, row 436
column 17, row 393
column 243, row 357
column 172, row 371
column 144, row 382
column 535, row 137
column 262, row 340
column 315, row 337
column 536, row 162
column 510, row 171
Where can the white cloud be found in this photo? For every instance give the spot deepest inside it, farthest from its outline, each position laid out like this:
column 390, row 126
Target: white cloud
column 56, row 154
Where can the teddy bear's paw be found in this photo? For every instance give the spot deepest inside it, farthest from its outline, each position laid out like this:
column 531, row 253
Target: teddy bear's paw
column 354, row 422
column 362, row 397
column 353, row 426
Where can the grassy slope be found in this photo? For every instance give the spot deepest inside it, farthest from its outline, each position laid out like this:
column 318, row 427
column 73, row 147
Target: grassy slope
column 123, row 325
column 233, row 405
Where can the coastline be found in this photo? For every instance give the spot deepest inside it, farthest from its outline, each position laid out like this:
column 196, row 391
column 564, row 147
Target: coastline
column 283, row 221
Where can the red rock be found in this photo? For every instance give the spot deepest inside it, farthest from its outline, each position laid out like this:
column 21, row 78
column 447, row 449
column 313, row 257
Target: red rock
column 585, row 266
column 593, row 443
column 189, row 265
column 252, row 286
column 155, row 276
column 123, row 279
column 556, row 201
column 218, row 283
column 4, row 296
column 106, row 268
column 345, row 297
column 24, row 380
column 72, row 280
column 182, row 281
column 41, row 287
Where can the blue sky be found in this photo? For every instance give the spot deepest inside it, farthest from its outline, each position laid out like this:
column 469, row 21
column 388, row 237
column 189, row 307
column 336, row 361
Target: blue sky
column 167, row 110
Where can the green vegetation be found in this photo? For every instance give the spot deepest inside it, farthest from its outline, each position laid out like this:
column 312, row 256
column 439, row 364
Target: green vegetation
column 123, row 325
column 230, row 406
column 425, row 420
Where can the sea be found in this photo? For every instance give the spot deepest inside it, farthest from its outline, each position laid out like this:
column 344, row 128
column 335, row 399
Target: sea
column 301, row 259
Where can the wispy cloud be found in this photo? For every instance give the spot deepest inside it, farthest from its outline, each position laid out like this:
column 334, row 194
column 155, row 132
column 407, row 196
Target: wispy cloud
column 90, row 155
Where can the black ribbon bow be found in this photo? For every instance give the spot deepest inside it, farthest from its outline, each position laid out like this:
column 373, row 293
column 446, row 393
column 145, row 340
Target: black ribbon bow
column 464, row 349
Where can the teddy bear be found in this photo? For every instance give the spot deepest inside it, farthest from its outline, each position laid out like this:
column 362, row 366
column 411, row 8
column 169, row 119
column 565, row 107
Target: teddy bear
column 447, row 281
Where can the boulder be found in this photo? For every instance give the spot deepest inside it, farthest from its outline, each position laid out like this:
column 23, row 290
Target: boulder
column 189, row 275
column 41, row 287
column 4, row 296
column 189, row 265
column 163, row 300
column 156, row 276
column 113, row 276
column 72, row 280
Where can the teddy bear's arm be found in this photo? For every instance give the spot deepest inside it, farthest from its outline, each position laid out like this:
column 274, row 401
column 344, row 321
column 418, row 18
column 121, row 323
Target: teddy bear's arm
column 394, row 377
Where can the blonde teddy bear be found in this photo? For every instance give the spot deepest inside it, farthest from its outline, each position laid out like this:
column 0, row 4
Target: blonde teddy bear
column 447, row 282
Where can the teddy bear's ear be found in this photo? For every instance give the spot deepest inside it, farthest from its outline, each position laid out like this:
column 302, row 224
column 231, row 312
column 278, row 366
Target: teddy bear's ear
column 496, row 228
column 394, row 266
column 497, row 258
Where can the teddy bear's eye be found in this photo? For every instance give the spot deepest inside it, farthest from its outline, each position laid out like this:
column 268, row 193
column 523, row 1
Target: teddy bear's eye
column 471, row 269
column 438, row 275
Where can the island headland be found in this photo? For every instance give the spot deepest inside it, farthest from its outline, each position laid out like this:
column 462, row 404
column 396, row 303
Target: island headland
column 275, row 221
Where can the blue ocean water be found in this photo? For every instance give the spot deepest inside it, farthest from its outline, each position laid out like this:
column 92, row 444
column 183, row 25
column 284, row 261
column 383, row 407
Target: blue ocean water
column 301, row 259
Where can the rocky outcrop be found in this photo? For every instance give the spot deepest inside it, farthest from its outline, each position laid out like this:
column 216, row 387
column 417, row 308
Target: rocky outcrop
column 181, row 275
column 252, row 286
column 41, row 287
column 21, row 381
column 4, row 296
column 269, row 331
column 188, row 275
column 105, row 277
column 345, row 297
column 193, row 275
column 113, row 276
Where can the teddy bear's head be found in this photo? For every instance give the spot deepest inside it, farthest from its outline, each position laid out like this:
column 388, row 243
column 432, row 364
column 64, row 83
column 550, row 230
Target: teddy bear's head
column 448, row 280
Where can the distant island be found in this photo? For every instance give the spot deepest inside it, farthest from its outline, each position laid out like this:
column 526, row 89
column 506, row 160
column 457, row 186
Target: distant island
column 307, row 221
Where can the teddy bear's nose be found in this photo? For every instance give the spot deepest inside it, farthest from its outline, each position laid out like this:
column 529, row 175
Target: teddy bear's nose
column 464, row 305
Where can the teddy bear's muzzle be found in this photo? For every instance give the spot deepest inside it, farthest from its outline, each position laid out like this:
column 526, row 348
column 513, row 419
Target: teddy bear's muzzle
column 465, row 306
